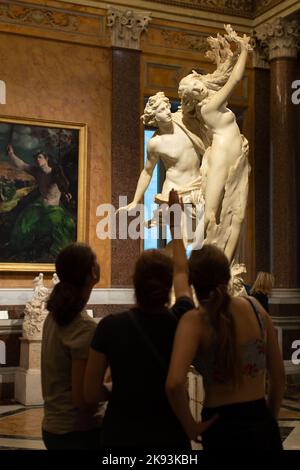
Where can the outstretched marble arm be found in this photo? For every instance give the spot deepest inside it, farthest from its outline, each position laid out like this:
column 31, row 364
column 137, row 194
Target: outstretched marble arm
column 144, row 179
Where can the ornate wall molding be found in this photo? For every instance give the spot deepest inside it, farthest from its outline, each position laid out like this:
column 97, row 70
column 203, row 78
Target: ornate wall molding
column 127, row 27
column 182, row 40
column 279, row 38
column 52, row 20
column 41, row 16
column 175, row 41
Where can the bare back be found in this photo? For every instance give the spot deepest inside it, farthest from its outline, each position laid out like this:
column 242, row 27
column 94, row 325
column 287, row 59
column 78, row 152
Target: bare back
column 252, row 386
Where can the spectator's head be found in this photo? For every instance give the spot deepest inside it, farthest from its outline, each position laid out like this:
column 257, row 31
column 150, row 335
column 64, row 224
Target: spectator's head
column 153, row 277
column 209, row 271
column 78, row 271
column 263, row 283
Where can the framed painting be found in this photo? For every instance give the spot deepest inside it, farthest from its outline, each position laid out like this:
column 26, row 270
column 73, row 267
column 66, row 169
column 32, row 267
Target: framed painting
column 42, row 191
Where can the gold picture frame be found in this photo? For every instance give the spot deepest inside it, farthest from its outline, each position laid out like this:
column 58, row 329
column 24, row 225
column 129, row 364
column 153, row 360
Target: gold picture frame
column 65, row 145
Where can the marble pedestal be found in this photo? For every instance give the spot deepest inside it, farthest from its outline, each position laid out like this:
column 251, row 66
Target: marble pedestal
column 28, row 389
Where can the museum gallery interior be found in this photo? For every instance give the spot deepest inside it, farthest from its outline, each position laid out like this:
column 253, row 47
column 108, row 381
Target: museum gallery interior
column 111, row 105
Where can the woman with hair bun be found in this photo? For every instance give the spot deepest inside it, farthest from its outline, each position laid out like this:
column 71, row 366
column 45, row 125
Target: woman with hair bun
column 69, row 423
column 233, row 344
column 137, row 346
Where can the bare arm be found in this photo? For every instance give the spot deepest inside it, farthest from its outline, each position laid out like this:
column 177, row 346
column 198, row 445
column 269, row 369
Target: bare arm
column 182, row 356
column 17, row 162
column 144, row 179
column 180, row 263
column 221, row 97
column 275, row 368
column 78, row 370
column 94, row 388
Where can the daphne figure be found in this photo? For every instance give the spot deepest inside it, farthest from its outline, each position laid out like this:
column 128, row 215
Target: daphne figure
column 225, row 165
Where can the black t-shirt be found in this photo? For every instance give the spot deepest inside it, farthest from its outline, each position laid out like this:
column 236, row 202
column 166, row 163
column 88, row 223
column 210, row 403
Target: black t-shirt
column 138, row 378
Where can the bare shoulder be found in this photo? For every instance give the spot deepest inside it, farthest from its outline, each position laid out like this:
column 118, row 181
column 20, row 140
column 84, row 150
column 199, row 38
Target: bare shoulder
column 153, row 143
column 242, row 303
column 191, row 316
column 207, row 107
column 194, row 319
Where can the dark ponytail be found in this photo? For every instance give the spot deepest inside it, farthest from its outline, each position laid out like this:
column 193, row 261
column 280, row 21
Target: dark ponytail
column 74, row 267
column 210, row 275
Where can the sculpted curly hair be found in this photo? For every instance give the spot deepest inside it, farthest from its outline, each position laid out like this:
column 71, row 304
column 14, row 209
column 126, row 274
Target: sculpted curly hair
column 148, row 118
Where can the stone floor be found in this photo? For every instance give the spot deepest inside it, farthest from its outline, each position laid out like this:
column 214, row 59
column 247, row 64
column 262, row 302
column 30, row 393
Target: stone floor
column 20, row 427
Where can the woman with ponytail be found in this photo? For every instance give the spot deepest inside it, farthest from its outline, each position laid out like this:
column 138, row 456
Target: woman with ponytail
column 232, row 343
column 69, row 423
column 137, row 345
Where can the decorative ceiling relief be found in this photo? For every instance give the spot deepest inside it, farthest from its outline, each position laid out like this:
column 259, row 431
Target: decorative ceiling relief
column 264, row 5
column 245, row 8
column 231, row 7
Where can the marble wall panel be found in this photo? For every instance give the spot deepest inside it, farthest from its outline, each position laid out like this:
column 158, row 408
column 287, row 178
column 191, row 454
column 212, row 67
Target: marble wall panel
column 67, row 83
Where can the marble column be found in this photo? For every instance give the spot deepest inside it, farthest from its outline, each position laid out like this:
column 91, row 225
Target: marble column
column 126, row 27
column 280, row 39
column 261, row 157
